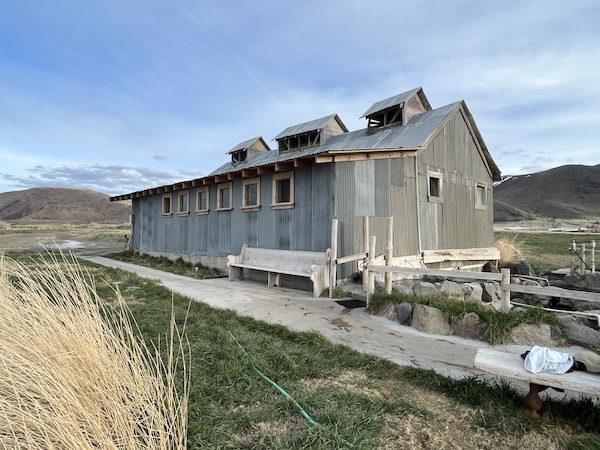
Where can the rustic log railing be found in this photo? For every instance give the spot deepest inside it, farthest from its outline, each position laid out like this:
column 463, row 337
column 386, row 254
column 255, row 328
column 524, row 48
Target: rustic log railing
column 578, row 258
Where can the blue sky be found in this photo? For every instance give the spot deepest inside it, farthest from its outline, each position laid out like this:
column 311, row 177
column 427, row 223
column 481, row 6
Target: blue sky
column 122, row 95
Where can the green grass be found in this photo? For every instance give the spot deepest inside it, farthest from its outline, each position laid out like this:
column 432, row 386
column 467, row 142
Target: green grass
column 546, row 252
column 354, row 397
column 179, row 266
column 497, row 324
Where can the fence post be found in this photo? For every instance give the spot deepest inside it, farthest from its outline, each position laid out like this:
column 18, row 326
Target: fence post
column 582, row 261
column 371, row 277
column 333, row 267
column 389, row 251
column 367, row 250
column 573, row 259
column 593, row 266
column 505, row 289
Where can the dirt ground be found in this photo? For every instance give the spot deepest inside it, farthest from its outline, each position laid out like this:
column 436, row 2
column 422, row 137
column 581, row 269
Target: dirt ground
column 80, row 240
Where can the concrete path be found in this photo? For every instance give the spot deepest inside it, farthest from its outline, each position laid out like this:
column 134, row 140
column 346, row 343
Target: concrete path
column 298, row 310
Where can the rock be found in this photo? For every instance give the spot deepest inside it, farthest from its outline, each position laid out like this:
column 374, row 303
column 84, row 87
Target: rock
column 491, row 292
column 579, row 334
column 431, row 320
column 426, row 289
column 452, row 290
column 389, row 311
column 470, row 327
column 521, row 268
column 403, row 312
column 398, row 288
column 541, row 334
column 473, row 292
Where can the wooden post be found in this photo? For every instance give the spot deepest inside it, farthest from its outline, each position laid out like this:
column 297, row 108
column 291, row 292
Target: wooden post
column 593, row 266
column 582, row 261
column 505, row 289
column 366, row 250
column 370, row 279
column 370, row 284
column 573, row 260
column 389, row 251
column 333, row 267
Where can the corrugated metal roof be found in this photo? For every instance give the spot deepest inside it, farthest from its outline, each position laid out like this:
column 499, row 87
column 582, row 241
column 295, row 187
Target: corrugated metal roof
column 246, row 144
column 389, row 102
column 412, row 135
column 313, row 125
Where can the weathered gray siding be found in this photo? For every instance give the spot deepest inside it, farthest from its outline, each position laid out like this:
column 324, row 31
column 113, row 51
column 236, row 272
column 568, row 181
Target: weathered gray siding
column 306, row 226
column 455, row 222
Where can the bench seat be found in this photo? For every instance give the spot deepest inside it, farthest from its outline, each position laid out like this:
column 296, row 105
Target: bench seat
column 510, row 365
column 313, row 265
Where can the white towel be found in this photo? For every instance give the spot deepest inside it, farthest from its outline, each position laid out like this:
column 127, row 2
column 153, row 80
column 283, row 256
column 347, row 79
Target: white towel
column 543, row 359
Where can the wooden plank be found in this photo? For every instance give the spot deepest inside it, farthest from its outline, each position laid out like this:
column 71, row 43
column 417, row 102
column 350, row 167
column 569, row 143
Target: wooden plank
column 551, row 291
column 450, row 273
column 274, row 270
column 468, row 254
column 350, row 258
column 510, row 365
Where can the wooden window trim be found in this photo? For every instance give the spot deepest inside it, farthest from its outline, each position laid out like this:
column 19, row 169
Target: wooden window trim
column 198, row 192
column 431, row 195
column 245, row 206
column 283, row 205
column 483, row 205
column 183, row 205
column 220, row 188
column 165, row 212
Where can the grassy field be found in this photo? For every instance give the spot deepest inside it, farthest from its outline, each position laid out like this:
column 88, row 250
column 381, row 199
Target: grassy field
column 358, row 401
column 546, row 252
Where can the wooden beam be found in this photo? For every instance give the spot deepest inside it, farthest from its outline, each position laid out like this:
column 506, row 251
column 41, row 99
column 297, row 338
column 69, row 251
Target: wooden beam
column 284, row 166
column 465, row 254
column 221, row 178
column 234, row 175
column 304, row 162
column 320, row 159
column 266, row 169
column 249, row 173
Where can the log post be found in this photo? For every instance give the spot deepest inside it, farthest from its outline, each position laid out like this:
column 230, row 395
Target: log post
column 333, row 266
column 389, row 251
column 505, row 289
column 366, row 249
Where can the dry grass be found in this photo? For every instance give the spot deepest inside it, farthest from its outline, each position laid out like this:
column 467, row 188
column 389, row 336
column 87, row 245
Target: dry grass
column 73, row 374
column 509, row 251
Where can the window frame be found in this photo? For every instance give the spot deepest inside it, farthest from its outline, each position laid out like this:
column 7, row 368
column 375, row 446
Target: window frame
column 220, row 188
column 275, row 203
column 245, row 206
column 484, row 204
column 203, row 190
column 431, row 175
column 167, row 212
column 183, row 203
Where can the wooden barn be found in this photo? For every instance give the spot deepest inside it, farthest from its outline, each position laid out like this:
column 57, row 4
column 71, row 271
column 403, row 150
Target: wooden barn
column 427, row 169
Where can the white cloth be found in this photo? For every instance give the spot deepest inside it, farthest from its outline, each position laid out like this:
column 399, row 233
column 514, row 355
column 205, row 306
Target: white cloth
column 543, row 359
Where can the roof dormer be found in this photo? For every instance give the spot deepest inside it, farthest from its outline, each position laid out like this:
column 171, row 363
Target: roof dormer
column 310, row 134
column 397, row 110
column 247, row 150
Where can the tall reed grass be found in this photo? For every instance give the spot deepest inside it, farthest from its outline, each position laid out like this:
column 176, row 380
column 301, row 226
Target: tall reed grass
column 73, row 372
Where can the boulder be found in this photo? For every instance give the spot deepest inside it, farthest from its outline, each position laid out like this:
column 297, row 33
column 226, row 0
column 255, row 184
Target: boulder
column 399, row 288
column 426, row 289
column 389, row 311
column 452, row 290
column 579, row 334
column 431, row 320
column 470, row 327
column 403, row 312
column 473, row 292
column 540, row 334
column 491, row 292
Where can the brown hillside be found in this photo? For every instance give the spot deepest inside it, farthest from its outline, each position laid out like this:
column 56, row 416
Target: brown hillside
column 61, row 205
column 566, row 192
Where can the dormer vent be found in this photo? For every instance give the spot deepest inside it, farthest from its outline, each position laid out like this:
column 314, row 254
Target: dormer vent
column 247, row 150
column 397, row 110
column 310, row 134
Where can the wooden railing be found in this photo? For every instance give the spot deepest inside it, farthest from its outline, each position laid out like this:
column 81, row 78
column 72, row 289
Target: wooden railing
column 578, row 259
column 503, row 278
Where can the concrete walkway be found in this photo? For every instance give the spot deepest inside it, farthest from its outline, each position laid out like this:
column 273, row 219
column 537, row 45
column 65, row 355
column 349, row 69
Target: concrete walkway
column 298, row 310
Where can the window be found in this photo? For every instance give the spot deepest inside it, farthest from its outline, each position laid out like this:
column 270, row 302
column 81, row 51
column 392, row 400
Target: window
column 183, row 206
column 251, row 194
column 434, row 186
column 166, row 205
column 224, row 197
column 283, row 190
column 239, row 156
column 202, row 201
column 481, row 196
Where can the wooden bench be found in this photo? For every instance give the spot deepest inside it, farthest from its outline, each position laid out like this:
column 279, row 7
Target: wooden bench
column 313, row 265
column 510, row 365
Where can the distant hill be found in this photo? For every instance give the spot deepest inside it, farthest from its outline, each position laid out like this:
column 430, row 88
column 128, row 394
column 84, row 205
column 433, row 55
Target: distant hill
column 61, row 205
column 566, row 192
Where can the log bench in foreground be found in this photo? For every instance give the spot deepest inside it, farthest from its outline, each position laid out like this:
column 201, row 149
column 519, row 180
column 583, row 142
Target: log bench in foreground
column 510, row 365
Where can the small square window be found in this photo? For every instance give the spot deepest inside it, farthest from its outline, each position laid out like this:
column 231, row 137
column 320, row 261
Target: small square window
column 166, row 205
column 251, row 194
column 183, row 206
column 481, row 196
column 434, row 186
column 224, row 195
column 202, row 201
column 283, row 190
